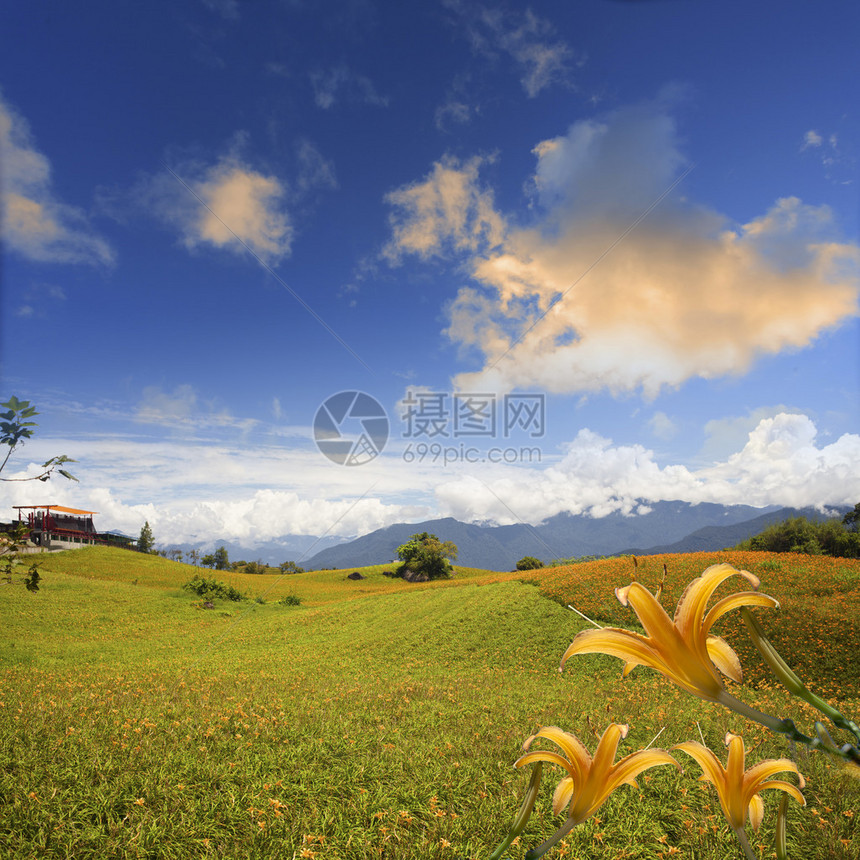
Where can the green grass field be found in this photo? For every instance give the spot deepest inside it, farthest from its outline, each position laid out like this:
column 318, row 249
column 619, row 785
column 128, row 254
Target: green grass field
column 379, row 719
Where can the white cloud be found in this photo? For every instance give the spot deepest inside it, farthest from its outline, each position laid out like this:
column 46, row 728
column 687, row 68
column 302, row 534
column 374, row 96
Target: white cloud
column 315, row 171
column 723, row 436
column 159, row 407
column 340, row 82
column 583, row 300
column 453, row 111
column 183, row 408
column 811, row 139
column 541, row 58
column 251, row 492
column 38, row 300
column 202, row 489
column 838, row 160
column 662, row 426
column 780, row 464
column 227, row 205
column 34, row 223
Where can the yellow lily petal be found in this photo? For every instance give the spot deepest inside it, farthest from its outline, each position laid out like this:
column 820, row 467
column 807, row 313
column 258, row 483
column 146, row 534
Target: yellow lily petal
column 735, row 601
column 756, row 811
column 787, row 787
column 631, row 647
column 712, row 769
column 628, row 768
column 544, row 755
column 690, row 611
column 764, row 770
column 737, row 805
column 562, row 795
column 724, row 658
column 607, row 746
column 577, row 755
column 654, row 619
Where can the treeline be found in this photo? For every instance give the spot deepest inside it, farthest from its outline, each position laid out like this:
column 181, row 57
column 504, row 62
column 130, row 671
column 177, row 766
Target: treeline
column 839, row 538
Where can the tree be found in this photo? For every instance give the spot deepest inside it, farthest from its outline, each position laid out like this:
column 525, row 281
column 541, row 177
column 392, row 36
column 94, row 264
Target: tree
column 222, row 562
column 256, row 567
column 851, row 520
column 145, row 542
column 208, row 560
column 290, row 567
column 831, row 537
column 194, row 555
column 529, row 562
column 15, row 426
column 424, row 554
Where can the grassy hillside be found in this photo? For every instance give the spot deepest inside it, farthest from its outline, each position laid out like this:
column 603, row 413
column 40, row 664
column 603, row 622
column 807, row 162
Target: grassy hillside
column 378, row 719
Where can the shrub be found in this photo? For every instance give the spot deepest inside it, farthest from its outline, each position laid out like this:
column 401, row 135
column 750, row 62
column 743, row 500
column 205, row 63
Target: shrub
column 256, row 567
column 529, row 562
column 209, row 588
column 290, row 600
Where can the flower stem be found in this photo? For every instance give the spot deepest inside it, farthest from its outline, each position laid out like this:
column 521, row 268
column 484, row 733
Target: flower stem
column 523, row 815
column 556, row 837
column 745, row 844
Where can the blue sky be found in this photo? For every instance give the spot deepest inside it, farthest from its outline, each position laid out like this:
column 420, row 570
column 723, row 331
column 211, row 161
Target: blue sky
column 640, row 216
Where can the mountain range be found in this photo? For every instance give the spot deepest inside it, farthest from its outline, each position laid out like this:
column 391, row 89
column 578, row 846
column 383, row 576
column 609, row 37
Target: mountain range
column 666, row 526
column 669, row 526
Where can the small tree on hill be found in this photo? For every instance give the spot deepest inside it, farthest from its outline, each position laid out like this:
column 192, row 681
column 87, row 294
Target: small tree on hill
column 222, row 561
column 529, row 562
column 426, row 555
column 256, row 567
column 146, row 542
column 290, row 567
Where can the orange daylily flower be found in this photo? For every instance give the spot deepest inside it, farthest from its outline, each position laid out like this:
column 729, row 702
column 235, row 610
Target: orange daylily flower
column 738, row 789
column 681, row 649
column 589, row 781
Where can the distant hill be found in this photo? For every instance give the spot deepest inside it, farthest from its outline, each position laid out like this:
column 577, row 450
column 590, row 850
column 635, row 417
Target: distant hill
column 712, row 538
column 671, row 524
column 272, row 552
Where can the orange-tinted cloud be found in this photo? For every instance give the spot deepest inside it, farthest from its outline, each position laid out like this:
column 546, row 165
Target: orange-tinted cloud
column 35, row 223
column 608, row 291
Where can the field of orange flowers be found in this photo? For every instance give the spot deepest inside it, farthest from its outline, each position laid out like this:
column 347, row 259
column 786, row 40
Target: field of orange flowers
column 378, row 719
column 816, row 628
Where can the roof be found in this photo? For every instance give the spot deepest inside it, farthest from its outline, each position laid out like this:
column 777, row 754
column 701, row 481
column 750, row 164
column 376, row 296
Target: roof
column 60, row 508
